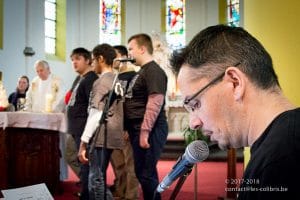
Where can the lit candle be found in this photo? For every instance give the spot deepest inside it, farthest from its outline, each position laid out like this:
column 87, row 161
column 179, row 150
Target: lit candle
column 49, row 101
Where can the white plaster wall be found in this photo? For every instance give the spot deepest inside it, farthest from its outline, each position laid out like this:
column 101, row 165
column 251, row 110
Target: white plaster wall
column 11, row 56
column 142, row 16
column 24, row 26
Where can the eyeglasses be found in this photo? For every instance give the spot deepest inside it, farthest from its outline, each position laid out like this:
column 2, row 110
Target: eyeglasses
column 191, row 104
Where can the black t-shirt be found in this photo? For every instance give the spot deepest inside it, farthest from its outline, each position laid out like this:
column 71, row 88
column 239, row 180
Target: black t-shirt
column 273, row 171
column 13, row 98
column 151, row 79
column 77, row 109
column 124, row 79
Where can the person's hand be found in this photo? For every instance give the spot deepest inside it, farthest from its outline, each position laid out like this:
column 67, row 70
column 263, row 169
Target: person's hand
column 144, row 136
column 125, row 135
column 82, row 153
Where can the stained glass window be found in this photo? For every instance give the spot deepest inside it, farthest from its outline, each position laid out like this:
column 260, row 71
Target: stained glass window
column 50, row 26
column 233, row 12
column 175, row 23
column 110, row 22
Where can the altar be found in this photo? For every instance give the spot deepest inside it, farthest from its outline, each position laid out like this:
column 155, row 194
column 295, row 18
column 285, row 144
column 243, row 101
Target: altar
column 29, row 149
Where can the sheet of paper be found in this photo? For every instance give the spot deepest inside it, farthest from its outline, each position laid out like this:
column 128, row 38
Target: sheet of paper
column 33, row 192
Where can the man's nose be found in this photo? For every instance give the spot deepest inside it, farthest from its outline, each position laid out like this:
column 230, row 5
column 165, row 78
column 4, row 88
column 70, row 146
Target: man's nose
column 195, row 122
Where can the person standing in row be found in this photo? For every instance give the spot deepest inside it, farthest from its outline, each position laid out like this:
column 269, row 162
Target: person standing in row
column 145, row 114
column 103, row 136
column 77, row 108
column 70, row 154
column 126, row 184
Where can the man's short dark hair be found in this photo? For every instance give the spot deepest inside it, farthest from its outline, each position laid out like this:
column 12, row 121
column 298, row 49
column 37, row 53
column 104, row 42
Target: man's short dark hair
column 82, row 52
column 222, row 45
column 105, row 50
column 122, row 50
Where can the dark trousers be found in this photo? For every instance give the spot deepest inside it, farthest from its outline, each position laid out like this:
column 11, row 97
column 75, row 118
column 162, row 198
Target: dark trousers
column 84, row 174
column 145, row 160
column 99, row 160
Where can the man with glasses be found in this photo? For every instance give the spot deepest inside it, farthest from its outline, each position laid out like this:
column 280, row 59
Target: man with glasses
column 102, row 134
column 232, row 93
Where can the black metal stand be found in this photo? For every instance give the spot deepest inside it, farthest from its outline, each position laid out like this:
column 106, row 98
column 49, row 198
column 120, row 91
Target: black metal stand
column 179, row 184
column 103, row 121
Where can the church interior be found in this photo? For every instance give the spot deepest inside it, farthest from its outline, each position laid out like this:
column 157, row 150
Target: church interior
column 49, row 30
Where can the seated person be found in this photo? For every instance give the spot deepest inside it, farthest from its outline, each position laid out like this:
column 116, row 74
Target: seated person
column 18, row 97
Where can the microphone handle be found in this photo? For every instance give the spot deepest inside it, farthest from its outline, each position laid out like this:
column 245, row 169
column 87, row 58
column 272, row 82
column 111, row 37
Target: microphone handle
column 183, row 168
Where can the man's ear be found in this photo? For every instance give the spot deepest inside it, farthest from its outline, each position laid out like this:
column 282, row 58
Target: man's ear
column 237, row 79
column 143, row 49
column 101, row 59
column 88, row 61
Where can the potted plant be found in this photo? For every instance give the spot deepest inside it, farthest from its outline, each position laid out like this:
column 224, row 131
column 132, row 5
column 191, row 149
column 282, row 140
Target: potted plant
column 190, row 135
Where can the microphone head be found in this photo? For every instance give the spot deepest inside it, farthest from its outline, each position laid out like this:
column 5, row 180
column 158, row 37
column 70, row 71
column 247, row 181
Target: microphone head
column 196, row 151
column 132, row 60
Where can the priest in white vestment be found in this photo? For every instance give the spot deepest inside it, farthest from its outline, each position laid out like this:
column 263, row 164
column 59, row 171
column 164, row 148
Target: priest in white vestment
column 45, row 90
column 44, row 95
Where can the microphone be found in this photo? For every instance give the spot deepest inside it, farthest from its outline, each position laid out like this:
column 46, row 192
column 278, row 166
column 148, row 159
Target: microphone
column 196, row 151
column 132, row 60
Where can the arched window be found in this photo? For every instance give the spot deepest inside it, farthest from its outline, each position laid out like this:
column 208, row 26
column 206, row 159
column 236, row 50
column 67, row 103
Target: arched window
column 55, row 29
column 110, row 22
column 175, row 23
column 233, row 13
column 50, row 26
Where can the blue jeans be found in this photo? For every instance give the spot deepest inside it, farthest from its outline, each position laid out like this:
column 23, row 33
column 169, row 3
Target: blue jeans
column 99, row 159
column 84, row 173
column 145, row 160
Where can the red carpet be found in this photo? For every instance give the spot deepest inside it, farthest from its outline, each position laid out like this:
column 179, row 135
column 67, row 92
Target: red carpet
column 211, row 182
